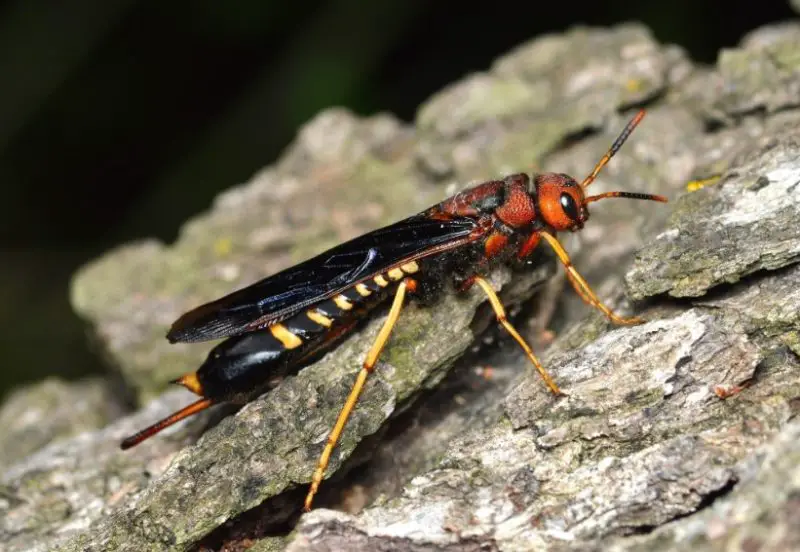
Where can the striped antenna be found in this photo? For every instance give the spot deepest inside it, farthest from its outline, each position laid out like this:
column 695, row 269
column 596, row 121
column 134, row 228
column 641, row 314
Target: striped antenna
column 614, row 148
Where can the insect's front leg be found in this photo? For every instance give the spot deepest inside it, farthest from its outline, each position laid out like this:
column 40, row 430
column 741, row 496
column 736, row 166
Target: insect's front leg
column 582, row 287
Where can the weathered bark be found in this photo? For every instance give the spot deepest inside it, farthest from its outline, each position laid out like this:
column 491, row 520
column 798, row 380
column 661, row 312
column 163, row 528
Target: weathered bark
column 444, row 453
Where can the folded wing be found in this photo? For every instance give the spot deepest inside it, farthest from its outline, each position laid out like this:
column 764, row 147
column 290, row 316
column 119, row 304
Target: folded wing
column 283, row 294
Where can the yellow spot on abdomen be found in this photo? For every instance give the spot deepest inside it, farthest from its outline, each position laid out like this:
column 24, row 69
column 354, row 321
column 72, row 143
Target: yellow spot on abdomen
column 363, row 290
column 282, row 334
column 410, row 268
column 319, row 318
column 342, row 302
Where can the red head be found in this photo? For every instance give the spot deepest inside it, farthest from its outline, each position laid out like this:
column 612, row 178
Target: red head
column 555, row 199
column 562, row 202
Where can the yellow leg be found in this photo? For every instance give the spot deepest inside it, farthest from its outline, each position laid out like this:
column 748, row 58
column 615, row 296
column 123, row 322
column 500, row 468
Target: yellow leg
column 358, row 386
column 500, row 312
column 586, row 299
column 582, row 288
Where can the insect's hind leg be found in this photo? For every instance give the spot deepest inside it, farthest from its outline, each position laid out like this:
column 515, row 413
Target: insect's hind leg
column 500, row 312
column 369, row 365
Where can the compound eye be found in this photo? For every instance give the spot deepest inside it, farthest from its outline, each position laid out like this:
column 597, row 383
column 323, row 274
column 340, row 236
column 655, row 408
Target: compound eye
column 569, row 206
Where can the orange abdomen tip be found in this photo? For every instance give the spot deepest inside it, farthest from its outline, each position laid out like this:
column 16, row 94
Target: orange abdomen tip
column 190, row 382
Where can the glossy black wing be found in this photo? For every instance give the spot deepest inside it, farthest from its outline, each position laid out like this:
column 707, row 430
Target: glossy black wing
column 279, row 296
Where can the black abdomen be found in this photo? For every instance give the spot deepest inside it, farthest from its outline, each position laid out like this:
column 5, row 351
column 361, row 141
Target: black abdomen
column 242, row 367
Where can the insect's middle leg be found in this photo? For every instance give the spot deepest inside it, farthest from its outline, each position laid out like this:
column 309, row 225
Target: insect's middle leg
column 358, row 386
column 500, row 313
column 582, row 287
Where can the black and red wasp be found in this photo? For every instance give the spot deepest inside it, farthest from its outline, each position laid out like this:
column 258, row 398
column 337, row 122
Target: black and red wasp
column 291, row 319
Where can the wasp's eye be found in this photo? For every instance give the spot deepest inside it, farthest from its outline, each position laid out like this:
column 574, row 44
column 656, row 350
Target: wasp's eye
column 569, row 206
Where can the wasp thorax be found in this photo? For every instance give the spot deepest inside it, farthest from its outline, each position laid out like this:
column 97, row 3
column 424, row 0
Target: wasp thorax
column 518, row 208
column 560, row 201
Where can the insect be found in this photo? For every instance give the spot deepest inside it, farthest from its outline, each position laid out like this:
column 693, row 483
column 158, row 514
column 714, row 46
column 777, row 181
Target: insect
column 287, row 321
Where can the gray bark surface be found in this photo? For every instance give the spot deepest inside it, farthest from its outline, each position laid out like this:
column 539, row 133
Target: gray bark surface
column 680, row 433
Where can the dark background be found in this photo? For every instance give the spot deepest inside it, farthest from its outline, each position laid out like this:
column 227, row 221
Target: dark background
column 121, row 118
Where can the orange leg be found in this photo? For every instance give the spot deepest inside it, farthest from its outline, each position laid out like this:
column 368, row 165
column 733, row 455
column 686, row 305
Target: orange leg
column 582, row 288
column 500, row 312
column 358, row 386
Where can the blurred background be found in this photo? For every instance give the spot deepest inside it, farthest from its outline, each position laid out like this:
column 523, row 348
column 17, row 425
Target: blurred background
column 119, row 119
